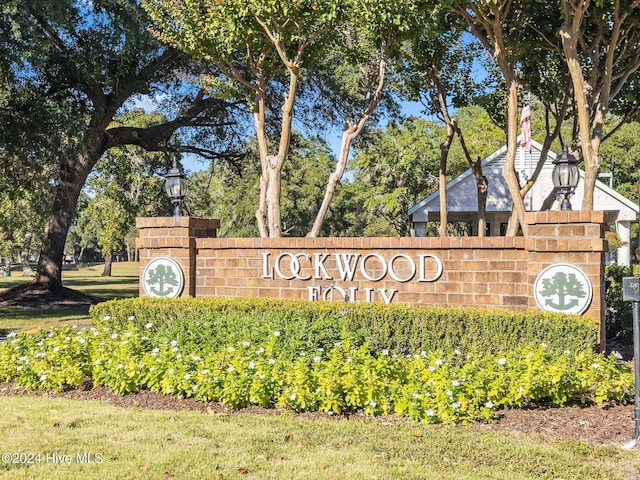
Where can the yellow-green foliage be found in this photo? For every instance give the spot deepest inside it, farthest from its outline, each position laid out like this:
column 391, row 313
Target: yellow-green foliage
column 399, row 328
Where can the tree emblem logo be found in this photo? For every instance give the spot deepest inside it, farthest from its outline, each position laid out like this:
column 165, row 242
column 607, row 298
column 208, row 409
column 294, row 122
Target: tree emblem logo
column 563, row 288
column 163, row 278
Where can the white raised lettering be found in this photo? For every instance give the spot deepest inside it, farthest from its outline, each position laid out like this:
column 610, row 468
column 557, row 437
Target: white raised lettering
column 294, row 265
column 439, row 268
column 267, row 272
column 347, row 263
column 331, row 289
column 314, row 293
column 363, row 268
column 306, row 257
column 319, row 259
column 368, row 294
column 383, row 293
column 409, row 260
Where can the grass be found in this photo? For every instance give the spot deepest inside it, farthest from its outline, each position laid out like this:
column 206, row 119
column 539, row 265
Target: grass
column 142, row 444
column 123, row 283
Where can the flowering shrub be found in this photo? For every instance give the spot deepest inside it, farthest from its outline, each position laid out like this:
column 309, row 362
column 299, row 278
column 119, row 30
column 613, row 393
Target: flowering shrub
column 430, row 386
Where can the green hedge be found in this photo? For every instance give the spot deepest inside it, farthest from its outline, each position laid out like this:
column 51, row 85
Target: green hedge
column 399, row 328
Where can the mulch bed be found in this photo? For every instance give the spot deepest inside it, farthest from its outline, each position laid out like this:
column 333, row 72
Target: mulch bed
column 601, row 424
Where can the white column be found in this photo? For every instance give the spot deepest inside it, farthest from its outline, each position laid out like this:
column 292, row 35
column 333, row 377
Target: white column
column 623, row 229
column 420, row 229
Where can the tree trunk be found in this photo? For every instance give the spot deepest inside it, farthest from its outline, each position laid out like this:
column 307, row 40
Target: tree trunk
column 591, row 166
column 348, row 134
column 108, row 262
column 442, row 178
column 27, row 271
column 73, row 175
column 508, row 171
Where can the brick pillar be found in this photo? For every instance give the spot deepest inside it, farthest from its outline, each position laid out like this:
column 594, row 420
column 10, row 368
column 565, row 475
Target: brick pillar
column 174, row 237
column 574, row 237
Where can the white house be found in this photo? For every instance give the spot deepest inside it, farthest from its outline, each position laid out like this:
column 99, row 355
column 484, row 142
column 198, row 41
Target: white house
column 462, row 198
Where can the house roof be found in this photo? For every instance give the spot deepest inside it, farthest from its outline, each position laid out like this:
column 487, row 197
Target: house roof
column 462, row 195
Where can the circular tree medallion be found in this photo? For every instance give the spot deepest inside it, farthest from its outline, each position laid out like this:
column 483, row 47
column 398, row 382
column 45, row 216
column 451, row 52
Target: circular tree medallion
column 563, row 288
column 163, row 277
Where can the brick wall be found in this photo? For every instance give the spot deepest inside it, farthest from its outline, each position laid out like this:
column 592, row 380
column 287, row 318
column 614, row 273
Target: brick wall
column 492, row 272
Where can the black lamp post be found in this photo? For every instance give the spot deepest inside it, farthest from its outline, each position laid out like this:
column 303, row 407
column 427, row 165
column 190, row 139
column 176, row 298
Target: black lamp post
column 175, row 184
column 565, row 177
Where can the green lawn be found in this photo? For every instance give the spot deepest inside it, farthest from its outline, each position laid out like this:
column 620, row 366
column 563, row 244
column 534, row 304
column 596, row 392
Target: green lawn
column 123, row 283
column 143, row 444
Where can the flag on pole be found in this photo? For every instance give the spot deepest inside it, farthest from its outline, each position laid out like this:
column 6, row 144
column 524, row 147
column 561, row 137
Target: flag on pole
column 525, row 128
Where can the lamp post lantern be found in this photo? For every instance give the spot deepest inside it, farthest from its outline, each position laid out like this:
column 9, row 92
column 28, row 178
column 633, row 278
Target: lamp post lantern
column 565, row 177
column 175, row 184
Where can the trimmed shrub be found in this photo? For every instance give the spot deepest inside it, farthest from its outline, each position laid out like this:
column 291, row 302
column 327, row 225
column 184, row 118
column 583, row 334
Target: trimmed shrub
column 402, row 329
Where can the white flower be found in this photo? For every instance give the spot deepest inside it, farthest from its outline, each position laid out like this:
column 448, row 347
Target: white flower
column 205, row 371
column 120, row 366
column 195, row 387
column 43, row 378
column 81, row 340
column 303, row 354
column 195, row 358
column 543, row 345
column 114, row 335
column 173, row 343
column 272, row 361
column 154, row 352
column 321, row 349
column 187, row 376
column 617, row 354
column 372, row 403
column 316, row 359
column 231, row 349
column 276, row 333
column 455, row 383
column 260, row 350
column 292, row 397
column 455, row 405
column 457, row 352
column 148, row 325
column 489, row 404
column 106, row 317
column 430, row 413
column 231, row 369
column 174, row 349
column 98, row 361
column 56, row 349
column 567, row 352
column 179, row 355
column 502, row 361
column 252, row 365
column 385, row 352
column 432, row 368
column 438, row 362
column 595, row 365
column 245, row 344
column 131, row 317
column 171, row 371
column 415, row 395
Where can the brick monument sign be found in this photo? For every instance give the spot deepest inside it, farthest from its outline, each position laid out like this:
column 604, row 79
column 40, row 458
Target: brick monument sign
column 559, row 266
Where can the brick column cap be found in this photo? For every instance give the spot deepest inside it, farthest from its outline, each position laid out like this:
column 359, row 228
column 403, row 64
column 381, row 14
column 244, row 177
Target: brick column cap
column 571, row 216
column 168, row 222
